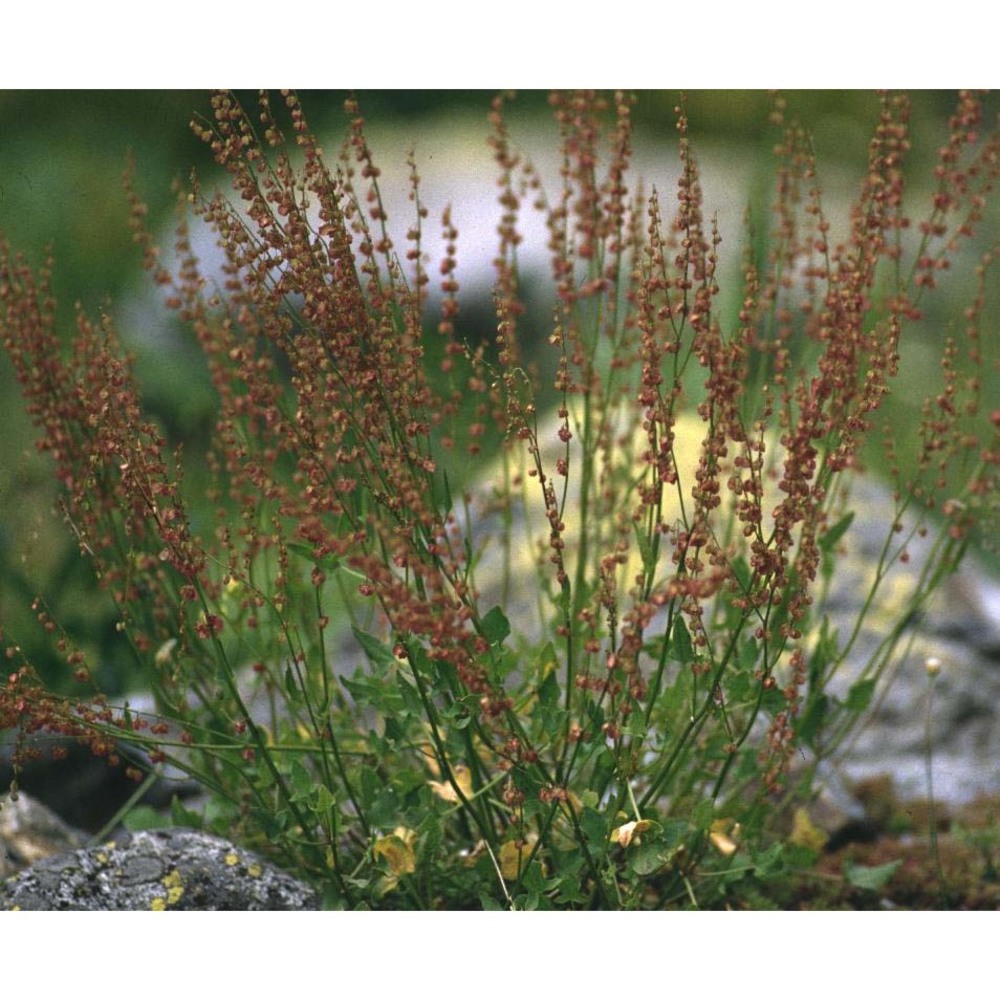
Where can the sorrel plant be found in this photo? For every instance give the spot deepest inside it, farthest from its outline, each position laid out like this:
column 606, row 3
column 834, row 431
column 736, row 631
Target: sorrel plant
column 337, row 639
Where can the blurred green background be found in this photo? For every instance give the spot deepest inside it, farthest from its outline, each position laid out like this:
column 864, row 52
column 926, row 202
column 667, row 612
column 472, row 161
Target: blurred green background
column 62, row 154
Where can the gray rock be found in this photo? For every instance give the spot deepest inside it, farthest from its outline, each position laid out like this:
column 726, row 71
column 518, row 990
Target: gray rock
column 173, row 869
column 950, row 722
column 30, row 831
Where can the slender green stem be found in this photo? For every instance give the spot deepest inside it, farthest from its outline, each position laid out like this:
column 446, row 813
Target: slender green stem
column 933, row 668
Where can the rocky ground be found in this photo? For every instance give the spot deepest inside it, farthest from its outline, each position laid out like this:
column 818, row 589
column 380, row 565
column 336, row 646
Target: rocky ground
column 957, row 869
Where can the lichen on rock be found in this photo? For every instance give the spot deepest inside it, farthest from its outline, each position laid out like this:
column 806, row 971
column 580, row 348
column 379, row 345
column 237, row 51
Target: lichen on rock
column 171, row 869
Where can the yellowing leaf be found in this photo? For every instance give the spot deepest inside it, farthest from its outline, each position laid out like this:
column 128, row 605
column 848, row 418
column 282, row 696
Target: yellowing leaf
column 625, row 834
column 512, row 858
column 397, row 853
column 724, row 835
column 446, row 790
column 165, row 652
column 722, row 843
column 805, row 833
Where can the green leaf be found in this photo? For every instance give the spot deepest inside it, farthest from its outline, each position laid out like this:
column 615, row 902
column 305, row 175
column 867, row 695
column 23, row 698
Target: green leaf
column 773, row 700
column 770, row 862
column 648, row 858
column 325, row 799
column 376, row 650
column 545, row 661
column 365, row 688
column 703, row 814
column 569, row 890
column 683, row 649
column 603, row 769
column 741, row 570
column 674, row 832
column 384, row 809
column 369, row 785
column 458, row 717
column 529, row 902
column 301, row 780
column 180, row 816
column 636, row 727
column 859, row 696
column 431, row 836
column 833, row 535
column 746, row 655
column 741, row 686
column 874, row 878
column 594, row 826
column 823, row 655
column 273, row 825
column 146, row 818
column 411, row 702
column 645, row 550
column 291, row 687
column 812, row 719
column 496, row 628
column 548, row 690
column 799, row 856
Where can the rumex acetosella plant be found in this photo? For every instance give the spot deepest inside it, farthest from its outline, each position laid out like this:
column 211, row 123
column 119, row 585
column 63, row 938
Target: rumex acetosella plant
column 581, row 676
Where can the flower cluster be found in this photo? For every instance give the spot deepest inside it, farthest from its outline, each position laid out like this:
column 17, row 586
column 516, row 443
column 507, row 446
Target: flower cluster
column 678, row 513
